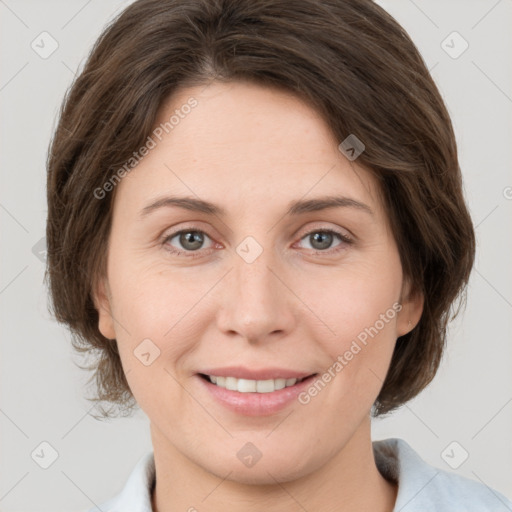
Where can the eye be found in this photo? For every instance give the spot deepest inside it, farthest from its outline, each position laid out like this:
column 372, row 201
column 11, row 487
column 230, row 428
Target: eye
column 189, row 240
column 321, row 240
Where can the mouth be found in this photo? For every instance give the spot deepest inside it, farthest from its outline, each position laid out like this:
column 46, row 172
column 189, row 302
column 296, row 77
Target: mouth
column 268, row 392
column 253, row 386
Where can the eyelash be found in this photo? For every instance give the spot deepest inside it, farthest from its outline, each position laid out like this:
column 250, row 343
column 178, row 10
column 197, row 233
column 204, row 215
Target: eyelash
column 195, row 254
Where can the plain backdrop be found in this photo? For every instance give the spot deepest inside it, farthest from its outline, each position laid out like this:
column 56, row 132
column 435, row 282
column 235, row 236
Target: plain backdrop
column 465, row 412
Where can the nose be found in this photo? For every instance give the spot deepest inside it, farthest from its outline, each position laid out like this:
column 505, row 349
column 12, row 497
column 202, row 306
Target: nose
column 256, row 304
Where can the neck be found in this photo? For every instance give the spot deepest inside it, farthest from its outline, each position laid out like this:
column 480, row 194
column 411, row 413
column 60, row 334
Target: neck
column 349, row 481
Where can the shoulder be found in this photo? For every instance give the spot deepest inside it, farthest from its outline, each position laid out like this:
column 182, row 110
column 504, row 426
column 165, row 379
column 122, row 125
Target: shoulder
column 424, row 487
column 136, row 493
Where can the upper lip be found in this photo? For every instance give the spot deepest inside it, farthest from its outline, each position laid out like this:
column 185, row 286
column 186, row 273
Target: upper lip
column 239, row 372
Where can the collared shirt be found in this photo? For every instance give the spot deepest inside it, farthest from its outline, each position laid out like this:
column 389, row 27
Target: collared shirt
column 421, row 487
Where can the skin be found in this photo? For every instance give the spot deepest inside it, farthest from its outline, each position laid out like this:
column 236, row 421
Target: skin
column 253, row 150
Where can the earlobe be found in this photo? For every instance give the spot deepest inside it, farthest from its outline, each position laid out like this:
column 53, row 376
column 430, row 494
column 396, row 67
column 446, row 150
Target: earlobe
column 412, row 307
column 101, row 299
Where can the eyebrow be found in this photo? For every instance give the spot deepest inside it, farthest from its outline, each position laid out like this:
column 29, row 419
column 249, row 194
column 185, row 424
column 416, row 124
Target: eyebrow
column 297, row 207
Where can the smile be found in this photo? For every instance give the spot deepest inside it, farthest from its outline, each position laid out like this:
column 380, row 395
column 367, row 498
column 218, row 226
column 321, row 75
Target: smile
column 252, row 386
column 253, row 391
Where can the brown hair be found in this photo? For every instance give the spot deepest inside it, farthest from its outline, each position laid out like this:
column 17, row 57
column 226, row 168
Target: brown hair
column 350, row 60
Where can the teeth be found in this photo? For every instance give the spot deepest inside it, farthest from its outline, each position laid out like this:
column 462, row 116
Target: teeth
column 252, row 386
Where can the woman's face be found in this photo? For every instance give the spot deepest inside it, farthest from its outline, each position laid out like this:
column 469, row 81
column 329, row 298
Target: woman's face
column 262, row 284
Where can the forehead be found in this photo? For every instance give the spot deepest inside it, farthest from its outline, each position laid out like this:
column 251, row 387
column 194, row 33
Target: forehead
column 228, row 142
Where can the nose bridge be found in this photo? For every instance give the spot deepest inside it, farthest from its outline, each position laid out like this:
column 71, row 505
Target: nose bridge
column 255, row 279
column 257, row 303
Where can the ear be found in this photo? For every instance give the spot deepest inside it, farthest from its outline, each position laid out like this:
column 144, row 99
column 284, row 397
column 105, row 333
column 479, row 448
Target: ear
column 412, row 302
column 101, row 299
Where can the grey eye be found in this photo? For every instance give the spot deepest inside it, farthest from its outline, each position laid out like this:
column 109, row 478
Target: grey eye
column 191, row 240
column 188, row 240
column 320, row 240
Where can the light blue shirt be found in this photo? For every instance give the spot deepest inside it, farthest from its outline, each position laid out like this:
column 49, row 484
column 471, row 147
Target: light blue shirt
column 421, row 487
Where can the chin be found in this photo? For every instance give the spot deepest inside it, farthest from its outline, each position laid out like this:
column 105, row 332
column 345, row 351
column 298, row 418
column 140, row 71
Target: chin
column 263, row 472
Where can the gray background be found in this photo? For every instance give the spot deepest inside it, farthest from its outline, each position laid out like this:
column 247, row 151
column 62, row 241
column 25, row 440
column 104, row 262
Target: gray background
column 42, row 391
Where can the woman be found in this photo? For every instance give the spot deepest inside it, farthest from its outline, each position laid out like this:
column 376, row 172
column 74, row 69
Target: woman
column 256, row 218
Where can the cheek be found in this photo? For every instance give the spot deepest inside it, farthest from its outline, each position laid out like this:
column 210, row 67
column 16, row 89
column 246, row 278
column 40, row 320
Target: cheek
column 151, row 298
column 351, row 302
column 358, row 309
column 155, row 320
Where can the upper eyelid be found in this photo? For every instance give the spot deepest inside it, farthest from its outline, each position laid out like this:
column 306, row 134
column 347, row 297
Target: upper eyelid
column 333, row 230
column 172, row 233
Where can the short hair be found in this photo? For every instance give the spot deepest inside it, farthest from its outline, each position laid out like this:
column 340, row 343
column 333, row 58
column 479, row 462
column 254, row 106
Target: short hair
column 348, row 59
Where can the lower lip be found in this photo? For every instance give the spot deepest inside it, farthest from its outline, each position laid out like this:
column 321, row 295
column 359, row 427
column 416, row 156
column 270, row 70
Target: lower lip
column 256, row 404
